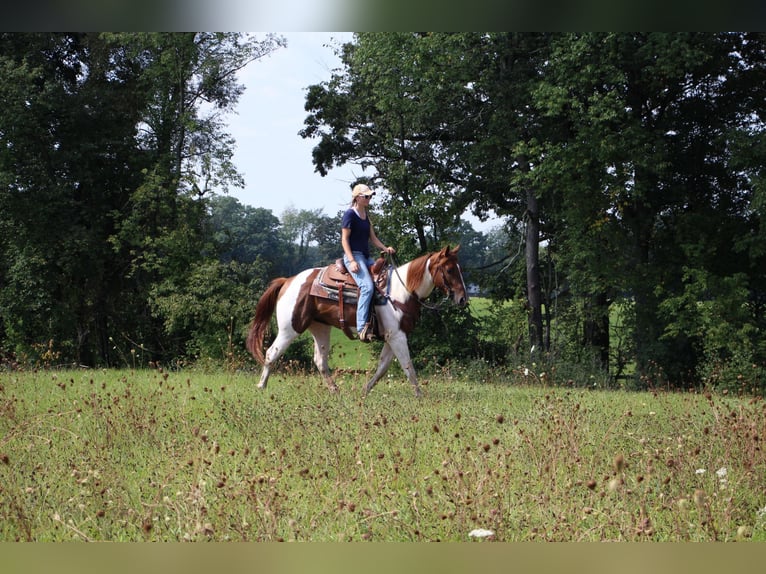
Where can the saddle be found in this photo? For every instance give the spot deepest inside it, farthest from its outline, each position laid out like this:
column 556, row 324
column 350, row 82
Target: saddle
column 335, row 283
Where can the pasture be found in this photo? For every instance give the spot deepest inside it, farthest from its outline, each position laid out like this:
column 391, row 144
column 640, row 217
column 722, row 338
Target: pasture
column 151, row 455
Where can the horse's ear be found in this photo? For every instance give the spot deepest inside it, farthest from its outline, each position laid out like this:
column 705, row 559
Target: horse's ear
column 447, row 251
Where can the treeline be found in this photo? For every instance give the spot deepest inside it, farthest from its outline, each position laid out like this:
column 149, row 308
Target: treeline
column 626, row 169
column 111, row 148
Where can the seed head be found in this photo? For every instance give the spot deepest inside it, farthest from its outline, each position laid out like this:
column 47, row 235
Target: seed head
column 743, row 532
column 619, row 463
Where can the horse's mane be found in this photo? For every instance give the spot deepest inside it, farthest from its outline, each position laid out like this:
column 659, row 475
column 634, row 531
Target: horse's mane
column 416, row 272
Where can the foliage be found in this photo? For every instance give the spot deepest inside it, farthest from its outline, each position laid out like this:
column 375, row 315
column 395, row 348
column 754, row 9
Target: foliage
column 313, row 239
column 501, row 336
column 392, row 111
column 645, row 176
column 442, row 334
column 211, row 311
column 244, row 234
column 57, row 187
column 437, row 118
column 107, row 156
column 713, row 314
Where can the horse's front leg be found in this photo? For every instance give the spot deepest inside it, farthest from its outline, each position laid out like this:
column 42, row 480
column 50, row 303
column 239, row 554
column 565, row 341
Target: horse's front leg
column 386, row 356
column 396, row 345
column 402, row 351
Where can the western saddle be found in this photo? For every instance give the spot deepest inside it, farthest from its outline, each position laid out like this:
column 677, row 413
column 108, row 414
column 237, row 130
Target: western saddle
column 335, row 283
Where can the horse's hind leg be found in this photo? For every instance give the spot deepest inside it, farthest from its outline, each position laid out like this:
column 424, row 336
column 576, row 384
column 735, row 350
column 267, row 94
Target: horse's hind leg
column 276, row 350
column 321, row 334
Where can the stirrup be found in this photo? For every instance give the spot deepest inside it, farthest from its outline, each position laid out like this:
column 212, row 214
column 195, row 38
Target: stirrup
column 366, row 335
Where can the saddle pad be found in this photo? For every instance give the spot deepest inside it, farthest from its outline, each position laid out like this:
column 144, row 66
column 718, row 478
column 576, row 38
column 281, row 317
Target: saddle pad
column 326, row 286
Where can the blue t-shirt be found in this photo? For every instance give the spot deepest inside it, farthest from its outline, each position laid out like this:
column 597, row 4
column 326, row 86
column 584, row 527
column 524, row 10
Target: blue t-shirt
column 359, row 240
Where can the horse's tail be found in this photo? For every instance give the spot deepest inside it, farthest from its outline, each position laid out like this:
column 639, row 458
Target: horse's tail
column 263, row 312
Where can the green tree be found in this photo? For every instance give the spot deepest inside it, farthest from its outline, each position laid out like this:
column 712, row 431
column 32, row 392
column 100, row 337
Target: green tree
column 326, row 234
column 631, row 156
column 67, row 134
column 299, row 232
column 443, row 121
column 107, row 159
column 645, row 174
column 245, row 234
column 191, row 79
column 388, row 111
column 207, row 317
column 507, row 153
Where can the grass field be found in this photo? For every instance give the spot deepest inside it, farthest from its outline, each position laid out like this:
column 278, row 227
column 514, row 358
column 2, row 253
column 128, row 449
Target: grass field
column 174, row 456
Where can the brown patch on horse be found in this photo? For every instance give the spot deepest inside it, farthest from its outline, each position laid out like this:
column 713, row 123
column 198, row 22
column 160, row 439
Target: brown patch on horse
column 416, row 272
column 410, row 314
column 410, row 308
column 305, row 305
column 445, row 263
column 309, row 308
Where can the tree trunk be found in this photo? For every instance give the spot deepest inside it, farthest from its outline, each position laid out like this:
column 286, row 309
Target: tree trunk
column 596, row 327
column 534, row 292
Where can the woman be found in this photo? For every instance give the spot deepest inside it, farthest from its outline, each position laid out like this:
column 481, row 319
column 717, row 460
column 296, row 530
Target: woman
column 356, row 234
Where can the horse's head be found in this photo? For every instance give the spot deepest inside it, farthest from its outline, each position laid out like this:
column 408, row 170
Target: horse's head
column 447, row 275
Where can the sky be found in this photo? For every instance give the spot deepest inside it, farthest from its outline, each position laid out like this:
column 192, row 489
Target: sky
column 274, row 160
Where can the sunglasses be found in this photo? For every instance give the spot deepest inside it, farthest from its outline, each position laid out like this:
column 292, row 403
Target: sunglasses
column 368, row 196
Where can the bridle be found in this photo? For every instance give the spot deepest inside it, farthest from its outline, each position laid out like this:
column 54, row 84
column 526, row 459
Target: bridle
column 437, row 307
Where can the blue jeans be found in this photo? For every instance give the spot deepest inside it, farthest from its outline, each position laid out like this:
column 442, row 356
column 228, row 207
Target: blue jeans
column 366, row 288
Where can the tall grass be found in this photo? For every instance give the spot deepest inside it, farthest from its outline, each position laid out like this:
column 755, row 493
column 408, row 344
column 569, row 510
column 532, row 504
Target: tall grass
column 154, row 455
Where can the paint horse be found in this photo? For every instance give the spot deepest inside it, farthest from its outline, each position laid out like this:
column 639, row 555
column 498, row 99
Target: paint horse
column 298, row 310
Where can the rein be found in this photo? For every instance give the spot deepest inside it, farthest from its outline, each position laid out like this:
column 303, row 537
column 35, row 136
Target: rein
column 422, row 302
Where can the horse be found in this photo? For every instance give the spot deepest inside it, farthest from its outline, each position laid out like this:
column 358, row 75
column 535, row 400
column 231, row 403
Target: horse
column 297, row 310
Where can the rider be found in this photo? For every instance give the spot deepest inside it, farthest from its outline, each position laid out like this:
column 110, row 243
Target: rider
column 356, row 233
